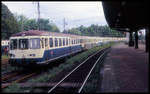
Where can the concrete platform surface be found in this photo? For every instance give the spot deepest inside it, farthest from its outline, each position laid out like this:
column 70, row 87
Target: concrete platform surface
column 125, row 70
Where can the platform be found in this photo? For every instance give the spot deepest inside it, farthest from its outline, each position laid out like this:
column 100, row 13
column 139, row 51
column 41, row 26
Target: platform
column 125, row 70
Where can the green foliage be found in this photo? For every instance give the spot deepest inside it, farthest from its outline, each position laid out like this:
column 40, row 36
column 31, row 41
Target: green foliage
column 21, row 19
column 32, row 24
column 4, row 57
column 7, row 69
column 13, row 23
column 54, row 28
column 95, row 30
column 14, row 88
column 9, row 24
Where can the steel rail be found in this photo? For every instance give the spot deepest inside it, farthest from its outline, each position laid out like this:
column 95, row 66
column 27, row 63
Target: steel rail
column 73, row 71
column 18, row 80
column 92, row 70
column 4, row 61
column 9, row 75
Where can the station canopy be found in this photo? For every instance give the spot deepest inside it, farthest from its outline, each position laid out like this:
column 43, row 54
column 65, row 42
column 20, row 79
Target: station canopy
column 126, row 15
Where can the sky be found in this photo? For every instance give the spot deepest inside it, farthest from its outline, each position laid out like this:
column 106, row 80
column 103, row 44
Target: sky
column 75, row 13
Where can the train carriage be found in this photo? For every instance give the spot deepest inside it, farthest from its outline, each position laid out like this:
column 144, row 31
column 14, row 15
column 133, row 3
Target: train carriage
column 40, row 47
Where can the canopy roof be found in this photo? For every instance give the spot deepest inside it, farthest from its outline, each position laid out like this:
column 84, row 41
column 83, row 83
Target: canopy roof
column 126, row 15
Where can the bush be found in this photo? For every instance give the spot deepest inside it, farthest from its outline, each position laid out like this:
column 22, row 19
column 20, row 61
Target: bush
column 13, row 88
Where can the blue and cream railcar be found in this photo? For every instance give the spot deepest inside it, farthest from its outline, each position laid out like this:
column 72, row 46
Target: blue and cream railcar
column 40, row 47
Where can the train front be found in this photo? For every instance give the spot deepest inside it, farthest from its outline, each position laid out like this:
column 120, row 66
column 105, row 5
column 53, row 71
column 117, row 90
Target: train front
column 25, row 51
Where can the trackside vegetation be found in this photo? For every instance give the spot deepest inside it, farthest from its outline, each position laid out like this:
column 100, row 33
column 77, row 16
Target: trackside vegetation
column 4, row 57
column 56, row 70
column 93, row 83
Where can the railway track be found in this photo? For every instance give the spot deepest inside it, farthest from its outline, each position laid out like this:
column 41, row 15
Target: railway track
column 15, row 77
column 9, row 75
column 4, row 62
column 75, row 80
column 18, row 76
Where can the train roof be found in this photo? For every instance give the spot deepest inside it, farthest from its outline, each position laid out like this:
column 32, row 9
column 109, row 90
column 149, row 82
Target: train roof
column 4, row 40
column 42, row 33
column 46, row 33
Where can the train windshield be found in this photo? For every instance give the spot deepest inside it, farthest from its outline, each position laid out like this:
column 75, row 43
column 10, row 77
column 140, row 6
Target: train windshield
column 23, row 43
column 34, row 43
column 13, row 44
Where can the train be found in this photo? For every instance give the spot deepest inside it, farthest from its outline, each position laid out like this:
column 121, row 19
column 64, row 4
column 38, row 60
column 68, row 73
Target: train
column 36, row 47
column 4, row 46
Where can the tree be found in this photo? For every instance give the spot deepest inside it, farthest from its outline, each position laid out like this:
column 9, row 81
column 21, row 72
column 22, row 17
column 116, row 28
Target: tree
column 9, row 24
column 54, row 28
column 95, row 30
column 31, row 24
column 22, row 20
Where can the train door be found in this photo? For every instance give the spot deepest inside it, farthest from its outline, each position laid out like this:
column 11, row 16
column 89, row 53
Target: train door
column 46, row 44
column 51, row 45
column 42, row 43
column 46, row 49
column 69, row 43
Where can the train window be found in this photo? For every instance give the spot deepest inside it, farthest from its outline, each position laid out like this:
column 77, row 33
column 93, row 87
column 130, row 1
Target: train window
column 42, row 42
column 66, row 41
column 13, row 44
column 51, row 42
column 34, row 43
column 74, row 41
column 71, row 41
column 23, row 43
column 63, row 41
column 81, row 41
column 56, row 42
column 60, row 43
column 46, row 42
